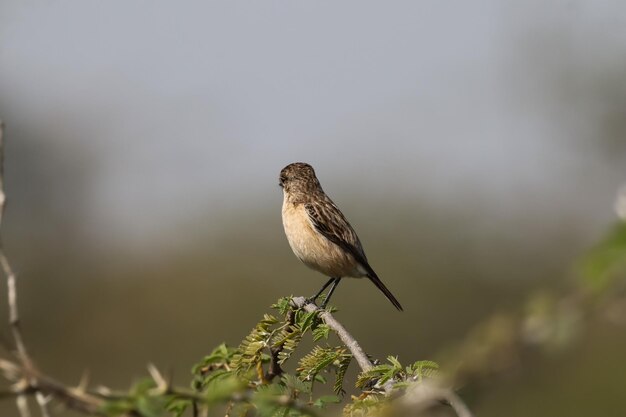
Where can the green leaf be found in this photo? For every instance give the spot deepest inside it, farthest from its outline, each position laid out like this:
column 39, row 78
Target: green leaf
column 116, row 408
column 324, row 400
column 318, row 359
column 142, row 387
column 283, row 305
column 151, row 406
column 371, row 405
column 321, row 331
column 307, row 321
column 423, row 369
column 342, row 368
column 372, row 375
column 320, row 378
column 224, row 390
column 289, row 338
column 178, row 406
column 402, row 384
column 296, row 385
column 395, row 362
column 250, row 352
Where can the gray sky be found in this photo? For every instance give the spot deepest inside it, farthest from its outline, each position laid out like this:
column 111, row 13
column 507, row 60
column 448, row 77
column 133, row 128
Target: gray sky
column 189, row 108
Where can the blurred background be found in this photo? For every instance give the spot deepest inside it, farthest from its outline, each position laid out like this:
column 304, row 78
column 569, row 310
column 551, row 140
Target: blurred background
column 476, row 147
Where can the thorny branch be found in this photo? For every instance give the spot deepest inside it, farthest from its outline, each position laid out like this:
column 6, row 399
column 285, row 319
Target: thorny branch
column 14, row 318
column 26, row 379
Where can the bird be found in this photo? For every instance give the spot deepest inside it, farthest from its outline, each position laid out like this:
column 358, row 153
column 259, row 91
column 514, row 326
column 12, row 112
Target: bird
column 320, row 235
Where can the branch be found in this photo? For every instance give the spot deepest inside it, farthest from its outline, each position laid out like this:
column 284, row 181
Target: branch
column 361, row 357
column 29, row 382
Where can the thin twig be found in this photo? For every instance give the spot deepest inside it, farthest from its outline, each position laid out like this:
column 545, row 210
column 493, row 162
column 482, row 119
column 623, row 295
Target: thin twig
column 74, row 398
column 14, row 318
column 2, row 195
column 27, row 380
column 83, row 383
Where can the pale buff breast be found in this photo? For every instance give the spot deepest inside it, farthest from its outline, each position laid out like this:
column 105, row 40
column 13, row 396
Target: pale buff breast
column 313, row 249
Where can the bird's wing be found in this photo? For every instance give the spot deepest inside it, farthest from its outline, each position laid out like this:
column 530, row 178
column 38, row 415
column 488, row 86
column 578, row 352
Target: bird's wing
column 331, row 223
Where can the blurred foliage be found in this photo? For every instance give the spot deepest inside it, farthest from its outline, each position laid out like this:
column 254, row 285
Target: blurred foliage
column 550, row 321
column 606, row 262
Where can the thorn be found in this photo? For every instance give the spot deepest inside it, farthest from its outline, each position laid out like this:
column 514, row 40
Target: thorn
column 162, row 384
column 22, row 406
column 102, row 390
column 84, row 382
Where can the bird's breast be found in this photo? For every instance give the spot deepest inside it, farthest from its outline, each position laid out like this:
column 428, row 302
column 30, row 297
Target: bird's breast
column 312, row 248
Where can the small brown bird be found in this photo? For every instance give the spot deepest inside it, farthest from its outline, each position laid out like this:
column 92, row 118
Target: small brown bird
column 319, row 234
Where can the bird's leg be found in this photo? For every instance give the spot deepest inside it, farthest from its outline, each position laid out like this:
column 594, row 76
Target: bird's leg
column 330, row 292
column 316, row 296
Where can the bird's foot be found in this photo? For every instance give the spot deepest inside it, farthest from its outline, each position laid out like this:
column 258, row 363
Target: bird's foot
column 334, row 282
column 311, row 300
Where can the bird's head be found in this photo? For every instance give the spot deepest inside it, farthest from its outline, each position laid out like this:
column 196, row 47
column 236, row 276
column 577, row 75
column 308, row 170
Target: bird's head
column 298, row 176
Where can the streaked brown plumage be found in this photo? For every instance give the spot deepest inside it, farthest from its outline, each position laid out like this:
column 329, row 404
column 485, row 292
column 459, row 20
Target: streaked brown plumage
column 319, row 234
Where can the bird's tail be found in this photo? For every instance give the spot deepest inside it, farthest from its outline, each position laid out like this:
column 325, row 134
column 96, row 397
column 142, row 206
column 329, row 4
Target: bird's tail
column 374, row 278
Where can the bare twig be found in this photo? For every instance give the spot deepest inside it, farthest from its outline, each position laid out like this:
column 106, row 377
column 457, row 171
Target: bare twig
column 71, row 397
column 14, row 318
column 83, row 383
column 25, row 378
column 2, row 195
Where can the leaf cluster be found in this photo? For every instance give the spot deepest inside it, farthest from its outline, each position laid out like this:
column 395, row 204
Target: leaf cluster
column 249, row 380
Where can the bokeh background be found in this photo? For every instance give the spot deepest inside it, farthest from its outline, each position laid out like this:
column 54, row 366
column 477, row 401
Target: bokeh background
column 476, row 147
